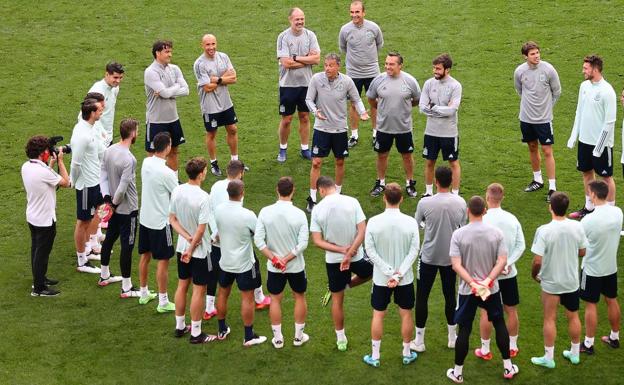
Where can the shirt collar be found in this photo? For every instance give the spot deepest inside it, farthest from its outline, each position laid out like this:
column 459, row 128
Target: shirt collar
column 281, row 202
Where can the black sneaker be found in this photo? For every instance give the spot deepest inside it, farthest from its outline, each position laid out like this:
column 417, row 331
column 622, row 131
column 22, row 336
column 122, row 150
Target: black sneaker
column 411, row 189
column 178, row 333
column 533, row 186
column 214, row 169
column 425, row 196
column 580, row 214
column 245, row 167
column 550, row 193
column 353, row 141
column 377, row 189
column 310, row 204
column 586, row 349
column 51, row 281
column 615, row 344
column 47, row 292
column 202, row 338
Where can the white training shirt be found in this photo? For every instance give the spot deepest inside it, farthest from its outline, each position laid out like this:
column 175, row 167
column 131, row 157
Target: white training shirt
column 596, row 110
column 40, row 182
column 602, row 228
column 512, row 234
column 106, row 122
column 191, row 206
column 86, row 148
column 158, row 182
column 236, row 226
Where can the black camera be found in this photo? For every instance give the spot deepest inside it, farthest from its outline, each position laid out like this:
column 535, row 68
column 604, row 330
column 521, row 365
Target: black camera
column 55, row 149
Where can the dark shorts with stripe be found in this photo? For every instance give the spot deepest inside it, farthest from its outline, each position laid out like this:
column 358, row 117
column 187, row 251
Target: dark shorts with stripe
column 432, row 145
column 291, row 99
column 324, row 142
column 219, row 119
column 403, row 142
column 245, row 281
column 174, row 129
column 158, row 242
column 537, row 131
column 592, row 287
column 403, row 296
column 197, row 268
column 586, row 161
column 338, row 280
column 87, row 201
column 276, row 282
column 509, row 291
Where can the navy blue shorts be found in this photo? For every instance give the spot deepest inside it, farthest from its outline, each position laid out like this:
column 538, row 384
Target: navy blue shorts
column 571, row 301
column 276, row 282
column 403, row 297
column 404, row 143
column 197, row 268
column 338, row 280
column 537, row 131
column 87, row 201
column 592, row 287
column 323, row 142
column 174, row 129
column 291, row 98
column 219, row 119
column 362, row 84
column 158, row 242
column 586, row 161
column 467, row 308
column 509, row 291
column 245, row 281
column 432, row 145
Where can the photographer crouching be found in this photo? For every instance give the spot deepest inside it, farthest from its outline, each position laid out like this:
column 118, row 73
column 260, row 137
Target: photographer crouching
column 40, row 182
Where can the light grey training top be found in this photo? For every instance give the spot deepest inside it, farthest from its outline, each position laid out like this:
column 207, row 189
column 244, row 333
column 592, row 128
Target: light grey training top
column 289, row 44
column 441, row 118
column 479, row 245
column 442, row 213
column 539, row 89
column 330, row 96
column 118, row 178
column 361, row 44
column 394, row 101
column 169, row 82
column 218, row 100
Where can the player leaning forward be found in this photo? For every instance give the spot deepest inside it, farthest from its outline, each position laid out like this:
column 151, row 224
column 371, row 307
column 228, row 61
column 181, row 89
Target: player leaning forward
column 392, row 245
column 282, row 236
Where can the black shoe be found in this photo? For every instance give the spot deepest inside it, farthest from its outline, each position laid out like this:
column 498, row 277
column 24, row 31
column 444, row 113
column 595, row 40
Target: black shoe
column 550, row 193
column 182, row 332
column 585, row 349
column 411, row 189
column 533, row 186
column 202, row 338
column 47, row 292
column 214, row 168
column 245, row 167
column 615, row 344
column 580, row 214
column 310, row 204
column 425, row 196
column 51, row 281
column 353, row 141
column 377, row 189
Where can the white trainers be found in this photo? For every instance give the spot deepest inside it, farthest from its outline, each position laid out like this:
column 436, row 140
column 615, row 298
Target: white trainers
column 89, row 268
column 111, row 279
column 417, row 347
column 451, row 375
column 132, row 293
column 277, row 344
column 300, row 341
column 256, row 340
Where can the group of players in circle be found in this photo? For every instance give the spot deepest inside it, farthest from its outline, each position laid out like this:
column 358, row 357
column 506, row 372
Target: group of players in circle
column 216, row 234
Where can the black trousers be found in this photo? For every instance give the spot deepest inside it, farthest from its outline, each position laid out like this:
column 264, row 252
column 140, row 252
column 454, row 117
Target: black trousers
column 42, row 239
column 123, row 227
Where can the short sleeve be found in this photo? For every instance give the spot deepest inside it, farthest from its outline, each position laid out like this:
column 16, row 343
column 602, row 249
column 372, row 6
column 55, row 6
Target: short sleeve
column 539, row 245
column 454, row 250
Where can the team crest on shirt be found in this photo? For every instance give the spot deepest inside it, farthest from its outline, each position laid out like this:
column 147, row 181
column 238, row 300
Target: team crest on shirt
column 542, row 77
column 340, row 87
column 447, row 91
column 370, row 36
column 597, row 97
column 404, row 88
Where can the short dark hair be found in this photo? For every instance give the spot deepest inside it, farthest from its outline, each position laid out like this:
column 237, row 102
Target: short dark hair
column 234, row 168
column 127, row 127
column 88, row 106
column 595, row 61
column 393, row 193
column 195, row 166
column 600, row 188
column 559, row 203
column 444, row 176
column 529, row 45
column 443, row 59
column 161, row 141
column 159, row 45
column 333, row 56
column 285, row 186
column 235, row 188
column 325, row 182
column 36, row 146
column 114, row 67
column 396, row 54
column 476, row 206
column 95, row 95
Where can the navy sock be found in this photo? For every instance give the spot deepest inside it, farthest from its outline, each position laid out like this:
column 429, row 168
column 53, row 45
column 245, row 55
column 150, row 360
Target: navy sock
column 249, row 334
column 222, row 325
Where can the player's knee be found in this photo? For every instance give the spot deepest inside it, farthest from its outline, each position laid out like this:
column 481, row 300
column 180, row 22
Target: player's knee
column 317, row 163
column 231, row 129
column 304, row 117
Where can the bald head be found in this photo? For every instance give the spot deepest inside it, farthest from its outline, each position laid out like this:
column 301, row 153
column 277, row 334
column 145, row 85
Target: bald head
column 209, row 44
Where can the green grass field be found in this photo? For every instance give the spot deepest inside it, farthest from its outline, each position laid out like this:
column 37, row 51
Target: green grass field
column 55, row 50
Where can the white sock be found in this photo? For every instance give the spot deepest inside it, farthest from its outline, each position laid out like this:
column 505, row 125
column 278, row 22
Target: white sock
column 407, row 182
column 507, row 364
column 82, row 259
column 105, row 272
column 234, row 157
column 549, row 352
column 552, row 185
column 406, row 349
column 382, row 181
column 458, row 370
column 485, row 346
column 614, row 335
column 195, row 328
column 210, row 307
column 420, row 336
column 126, row 284
column 98, row 233
column 180, row 322
column 611, row 203
column 513, row 342
column 213, row 160
column 374, row 133
column 283, row 146
column 455, row 191
column 163, row 299
column 338, row 189
column 452, row 333
column 354, row 133
column 429, row 189
column 304, row 147
column 588, row 203
column 376, row 344
column 537, row 176
column 144, row 291
column 340, row 335
column 277, row 332
column 575, row 348
column 313, row 195
column 93, row 240
column 589, row 342
column 299, row 330
column 258, row 294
